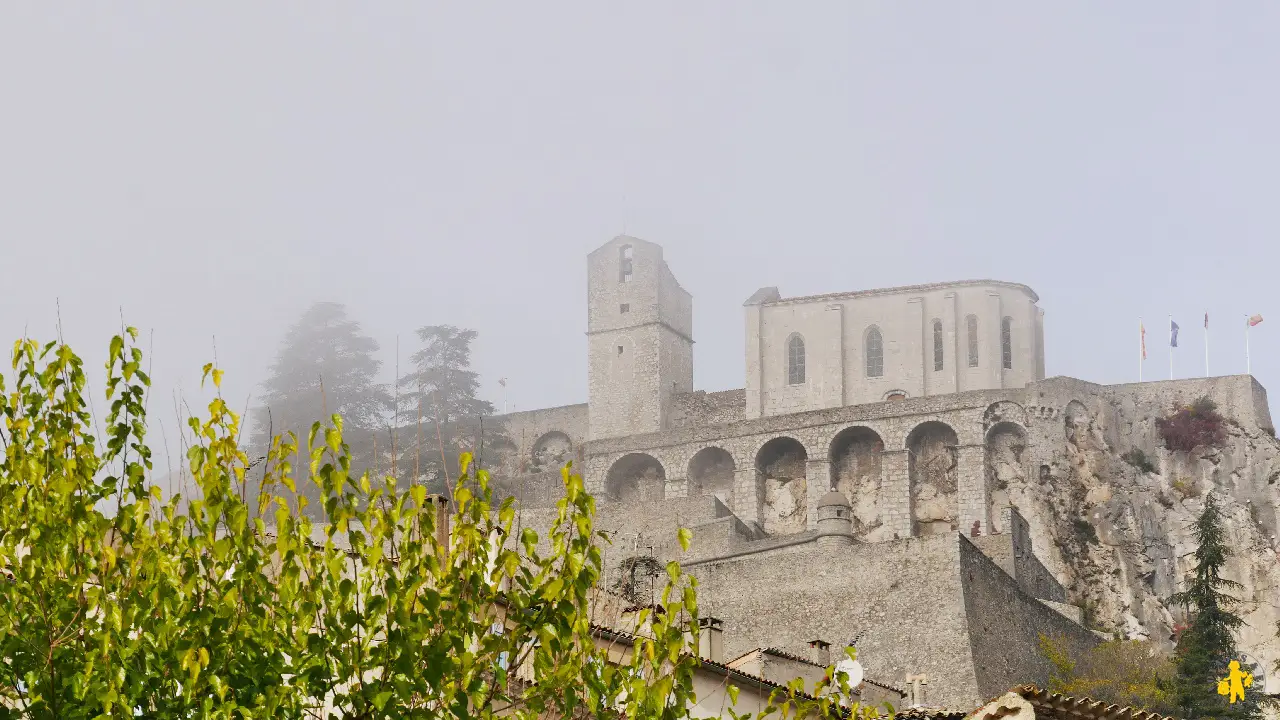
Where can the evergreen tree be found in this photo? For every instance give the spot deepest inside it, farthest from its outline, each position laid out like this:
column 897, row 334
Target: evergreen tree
column 443, row 388
column 326, row 365
column 1206, row 648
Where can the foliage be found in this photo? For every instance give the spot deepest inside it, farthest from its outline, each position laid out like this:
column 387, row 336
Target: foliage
column 119, row 602
column 1085, row 531
column 1133, row 673
column 441, row 390
column 1137, row 458
column 326, row 365
column 1185, row 487
column 1207, row 645
column 1193, row 426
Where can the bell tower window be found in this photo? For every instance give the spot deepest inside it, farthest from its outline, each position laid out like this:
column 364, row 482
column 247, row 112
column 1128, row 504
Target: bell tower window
column 624, row 264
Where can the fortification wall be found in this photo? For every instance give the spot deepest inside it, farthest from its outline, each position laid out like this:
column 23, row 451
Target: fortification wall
column 532, row 432
column 1004, row 625
column 906, row 596
column 703, row 408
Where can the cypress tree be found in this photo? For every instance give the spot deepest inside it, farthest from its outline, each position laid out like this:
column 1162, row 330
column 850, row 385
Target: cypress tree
column 1208, row 645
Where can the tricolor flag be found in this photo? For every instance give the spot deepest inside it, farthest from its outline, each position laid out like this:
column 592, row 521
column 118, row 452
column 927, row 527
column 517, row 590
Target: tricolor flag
column 1173, row 334
column 1255, row 320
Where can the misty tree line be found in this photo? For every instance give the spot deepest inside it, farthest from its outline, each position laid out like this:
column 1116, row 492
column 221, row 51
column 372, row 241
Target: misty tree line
column 411, row 428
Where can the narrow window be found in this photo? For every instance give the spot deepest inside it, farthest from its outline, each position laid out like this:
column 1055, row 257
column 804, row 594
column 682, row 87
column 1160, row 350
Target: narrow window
column 795, row 360
column 972, row 323
column 875, row 353
column 619, row 349
column 937, row 345
column 624, row 308
column 624, row 264
column 1006, row 343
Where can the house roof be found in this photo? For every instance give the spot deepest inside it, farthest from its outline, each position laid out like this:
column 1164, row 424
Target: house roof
column 1064, row 707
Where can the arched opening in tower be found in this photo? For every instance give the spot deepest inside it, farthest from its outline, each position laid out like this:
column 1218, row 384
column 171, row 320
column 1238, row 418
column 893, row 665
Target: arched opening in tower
column 1006, row 471
column 932, row 449
column 711, row 473
column 855, row 473
column 635, row 478
column 780, row 465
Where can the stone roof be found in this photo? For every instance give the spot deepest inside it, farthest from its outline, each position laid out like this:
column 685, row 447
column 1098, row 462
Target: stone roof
column 833, row 498
column 1054, row 706
column 758, row 298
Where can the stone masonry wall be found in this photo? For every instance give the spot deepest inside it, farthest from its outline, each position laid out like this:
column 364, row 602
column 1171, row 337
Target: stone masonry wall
column 1004, row 625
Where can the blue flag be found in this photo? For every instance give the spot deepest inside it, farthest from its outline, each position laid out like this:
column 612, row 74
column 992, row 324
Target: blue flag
column 1173, row 334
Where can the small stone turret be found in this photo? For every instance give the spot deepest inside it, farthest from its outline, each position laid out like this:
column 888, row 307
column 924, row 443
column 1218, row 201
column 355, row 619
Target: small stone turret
column 835, row 520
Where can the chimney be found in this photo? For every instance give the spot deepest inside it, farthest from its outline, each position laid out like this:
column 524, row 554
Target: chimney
column 710, row 640
column 820, row 652
column 440, row 518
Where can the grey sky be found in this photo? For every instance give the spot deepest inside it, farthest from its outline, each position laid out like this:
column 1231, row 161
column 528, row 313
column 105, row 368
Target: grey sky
column 214, row 170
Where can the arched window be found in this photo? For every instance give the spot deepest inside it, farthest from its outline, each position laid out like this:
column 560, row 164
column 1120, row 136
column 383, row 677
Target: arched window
column 624, row 264
column 937, row 345
column 971, row 323
column 1006, row 343
column 875, row 352
column 795, row 360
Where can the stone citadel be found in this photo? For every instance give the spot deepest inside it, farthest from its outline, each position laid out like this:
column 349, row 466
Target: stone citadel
column 896, row 470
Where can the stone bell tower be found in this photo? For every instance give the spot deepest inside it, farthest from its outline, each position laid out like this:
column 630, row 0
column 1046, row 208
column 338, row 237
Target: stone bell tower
column 639, row 339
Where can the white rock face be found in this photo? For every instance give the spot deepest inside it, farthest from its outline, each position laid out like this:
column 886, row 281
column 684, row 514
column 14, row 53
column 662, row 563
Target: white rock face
column 1121, row 538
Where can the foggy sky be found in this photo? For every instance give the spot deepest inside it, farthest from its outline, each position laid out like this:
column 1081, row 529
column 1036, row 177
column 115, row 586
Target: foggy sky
column 212, row 170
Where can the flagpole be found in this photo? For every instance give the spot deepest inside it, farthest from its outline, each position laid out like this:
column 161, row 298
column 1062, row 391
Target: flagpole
column 1141, row 348
column 1248, row 366
column 1206, row 344
column 1170, row 347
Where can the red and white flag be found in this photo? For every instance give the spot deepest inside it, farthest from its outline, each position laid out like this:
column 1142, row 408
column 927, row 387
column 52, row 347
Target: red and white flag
column 1255, row 320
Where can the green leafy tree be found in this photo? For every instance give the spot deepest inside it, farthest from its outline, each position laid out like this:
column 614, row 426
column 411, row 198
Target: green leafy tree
column 1207, row 646
column 1131, row 673
column 120, row 603
column 441, row 414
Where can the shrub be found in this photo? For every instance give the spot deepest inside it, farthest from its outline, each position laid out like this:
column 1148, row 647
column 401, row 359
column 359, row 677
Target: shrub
column 1185, row 487
column 1138, row 459
column 1085, row 530
column 1133, row 673
column 1196, row 425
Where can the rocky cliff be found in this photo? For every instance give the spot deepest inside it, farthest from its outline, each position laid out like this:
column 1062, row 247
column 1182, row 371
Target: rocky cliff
column 1118, row 531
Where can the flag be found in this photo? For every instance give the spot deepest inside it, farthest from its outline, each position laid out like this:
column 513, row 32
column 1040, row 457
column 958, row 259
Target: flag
column 1206, row 321
column 502, row 382
column 1255, row 320
column 1143, row 330
column 1173, row 334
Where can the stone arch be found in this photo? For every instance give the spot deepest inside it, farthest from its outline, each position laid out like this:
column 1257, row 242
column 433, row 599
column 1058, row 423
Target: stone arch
column 1006, row 468
column 550, row 452
column 932, row 457
column 636, row 477
column 855, row 454
column 711, row 473
column 895, row 395
column 1003, row 411
column 781, row 465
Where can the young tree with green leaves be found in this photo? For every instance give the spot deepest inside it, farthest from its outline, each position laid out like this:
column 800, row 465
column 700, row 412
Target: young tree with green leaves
column 1131, row 673
column 440, row 394
column 1207, row 646
column 118, row 602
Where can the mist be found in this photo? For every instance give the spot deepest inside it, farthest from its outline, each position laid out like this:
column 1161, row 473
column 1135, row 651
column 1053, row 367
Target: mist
column 206, row 172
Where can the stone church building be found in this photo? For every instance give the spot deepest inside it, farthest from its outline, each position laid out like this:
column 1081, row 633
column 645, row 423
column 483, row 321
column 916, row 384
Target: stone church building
column 860, row 486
